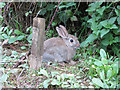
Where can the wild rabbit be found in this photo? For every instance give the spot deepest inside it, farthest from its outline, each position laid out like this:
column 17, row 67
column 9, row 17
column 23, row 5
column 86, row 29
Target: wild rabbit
column 62, row 49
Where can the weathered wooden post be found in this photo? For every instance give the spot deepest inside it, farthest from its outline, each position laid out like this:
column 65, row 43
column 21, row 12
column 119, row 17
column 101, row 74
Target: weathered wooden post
column 37, row 47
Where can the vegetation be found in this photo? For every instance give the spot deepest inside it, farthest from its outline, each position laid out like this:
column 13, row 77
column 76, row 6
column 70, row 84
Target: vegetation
column 97, row 26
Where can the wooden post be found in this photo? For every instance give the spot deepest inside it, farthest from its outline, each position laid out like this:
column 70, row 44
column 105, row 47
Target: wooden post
column 37, row 43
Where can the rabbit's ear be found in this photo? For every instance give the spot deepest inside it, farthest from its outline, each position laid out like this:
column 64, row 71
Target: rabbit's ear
column 62, row 31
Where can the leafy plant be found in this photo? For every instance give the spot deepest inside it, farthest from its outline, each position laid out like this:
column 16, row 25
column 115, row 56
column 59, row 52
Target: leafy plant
column 104, row 71
column 60, row 80
column 104, row 21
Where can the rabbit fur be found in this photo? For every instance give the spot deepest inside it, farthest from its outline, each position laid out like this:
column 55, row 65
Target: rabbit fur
column 62, row 49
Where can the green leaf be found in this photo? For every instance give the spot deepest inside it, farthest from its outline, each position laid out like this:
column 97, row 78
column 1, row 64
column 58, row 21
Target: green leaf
column 20, row 37
column 94, row 6
column 23, row 47
column 109, row 73
column 98, row 63
column 103, row 32
column 116, row 67
column 104, row 23
column 105, row 42
column 17, row 32
column 113, row 27
column 103, row 53
column 118, row 20
column 108, row 39
column 101, row 10
column 5, row 36
column 112, row 20
column 117, row 11
column 98, row 82
column 12, row 40
column 91, row 38
column 102, row 75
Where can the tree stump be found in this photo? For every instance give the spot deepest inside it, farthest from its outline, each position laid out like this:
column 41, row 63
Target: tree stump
column 37, row 47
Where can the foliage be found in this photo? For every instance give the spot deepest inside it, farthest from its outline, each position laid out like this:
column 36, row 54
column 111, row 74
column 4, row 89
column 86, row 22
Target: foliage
column 104, row 22
column 97, row 71
column 104, row 72
column 15, row 35
column 69, row 14
column 62, row 80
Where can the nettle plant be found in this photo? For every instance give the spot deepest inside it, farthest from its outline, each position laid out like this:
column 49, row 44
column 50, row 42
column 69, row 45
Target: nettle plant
column 105, row 25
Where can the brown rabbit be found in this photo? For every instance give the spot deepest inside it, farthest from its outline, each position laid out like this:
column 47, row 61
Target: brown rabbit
column 62, row 49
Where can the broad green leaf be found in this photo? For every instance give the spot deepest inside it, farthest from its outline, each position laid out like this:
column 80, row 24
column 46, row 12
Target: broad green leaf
column 104, row 23
column 23, row 47
column 98, row 82
column 118, row 20
column 101, row 10
column 91, row 38
column 98, row 63
column 12, row 40
column 108, row 39
column 5, row 36
column 116, row 67
column 103, row 32
column 17, row 32
column 103, row 53
column 94, row 6
column 84, row 44
column 109, row 73
column 20, row 37
column 105, row 42
column 102, row 75
column 112, row 20
column 117, row 11
column 113, row 27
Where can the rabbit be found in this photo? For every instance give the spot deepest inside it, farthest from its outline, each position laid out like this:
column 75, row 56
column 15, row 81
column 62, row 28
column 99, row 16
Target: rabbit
column 60, row 49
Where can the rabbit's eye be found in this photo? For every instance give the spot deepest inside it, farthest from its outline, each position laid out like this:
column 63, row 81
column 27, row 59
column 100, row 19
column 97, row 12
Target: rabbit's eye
column 71, row 40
